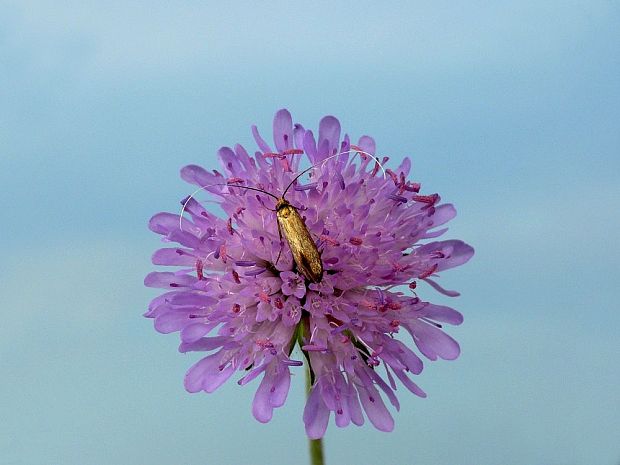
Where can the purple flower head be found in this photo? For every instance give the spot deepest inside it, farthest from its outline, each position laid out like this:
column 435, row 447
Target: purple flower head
column 240, row 296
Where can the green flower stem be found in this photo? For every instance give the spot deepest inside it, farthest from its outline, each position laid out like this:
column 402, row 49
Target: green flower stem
column 315, row 446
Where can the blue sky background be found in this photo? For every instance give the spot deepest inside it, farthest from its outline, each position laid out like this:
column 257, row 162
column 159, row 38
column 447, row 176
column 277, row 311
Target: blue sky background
column 510, row 110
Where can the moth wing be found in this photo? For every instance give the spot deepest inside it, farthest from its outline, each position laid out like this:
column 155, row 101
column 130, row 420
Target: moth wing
column 303, row 248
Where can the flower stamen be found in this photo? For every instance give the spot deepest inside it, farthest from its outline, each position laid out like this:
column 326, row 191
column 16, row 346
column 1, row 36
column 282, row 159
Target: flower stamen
column 199, row 269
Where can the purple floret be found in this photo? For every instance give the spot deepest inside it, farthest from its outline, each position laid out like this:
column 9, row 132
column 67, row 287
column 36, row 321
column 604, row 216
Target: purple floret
column 238, row 294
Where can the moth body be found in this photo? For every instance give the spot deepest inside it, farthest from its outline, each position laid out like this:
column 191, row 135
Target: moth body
column 304, row 250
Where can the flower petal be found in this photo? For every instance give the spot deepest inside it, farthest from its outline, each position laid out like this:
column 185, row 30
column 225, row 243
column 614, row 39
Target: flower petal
column 367, row 144
column 443, row 214
column 442, row 313
column 355, row 409
column 198, row 176
column 375, row 409
column 280, row 386
column 164, row 223
column 454, row 253
column 413, row 387
column 173, row 256
column 260, row 141
column 440, row 289
column 329, row 136
column 261, row 407
column 385, row 388
column 316, row 414
column 404, row 167
column 283, row 130
column 206, row 375
column 204, row 344
column 165, row 279
column 172, row 321
column 408, row 358
column 230, row 161
column 298, row 136
column 310, row 147
column 193, row 298
column 194, row 331
column 433, row 342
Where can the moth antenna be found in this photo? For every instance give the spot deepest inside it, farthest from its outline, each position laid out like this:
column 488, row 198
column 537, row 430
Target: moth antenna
column 357, row 150
column 333, row 156
column 191, row 196
column 322, row 162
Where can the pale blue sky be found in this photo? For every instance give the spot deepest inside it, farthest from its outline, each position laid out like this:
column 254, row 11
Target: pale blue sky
column 510, row 110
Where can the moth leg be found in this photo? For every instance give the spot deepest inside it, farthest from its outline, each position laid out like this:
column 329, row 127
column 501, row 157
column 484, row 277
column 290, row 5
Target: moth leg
column 281, row 244
column 320, row 244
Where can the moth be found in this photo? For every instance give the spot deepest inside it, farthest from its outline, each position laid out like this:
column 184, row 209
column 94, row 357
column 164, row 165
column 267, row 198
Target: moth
column 292, row 227
column 305, row 252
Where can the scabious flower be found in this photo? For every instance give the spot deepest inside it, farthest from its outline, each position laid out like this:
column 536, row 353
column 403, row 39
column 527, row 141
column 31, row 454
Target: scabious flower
column 240, row 297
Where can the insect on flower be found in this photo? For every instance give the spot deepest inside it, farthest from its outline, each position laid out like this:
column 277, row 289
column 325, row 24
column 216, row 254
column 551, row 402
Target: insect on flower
column 290, row 223
column 346, row 305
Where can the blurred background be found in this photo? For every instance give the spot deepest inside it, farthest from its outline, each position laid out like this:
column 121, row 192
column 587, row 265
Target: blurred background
column 510, row 110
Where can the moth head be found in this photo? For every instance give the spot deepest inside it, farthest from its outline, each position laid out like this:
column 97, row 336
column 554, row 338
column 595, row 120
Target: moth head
column 281, row 203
